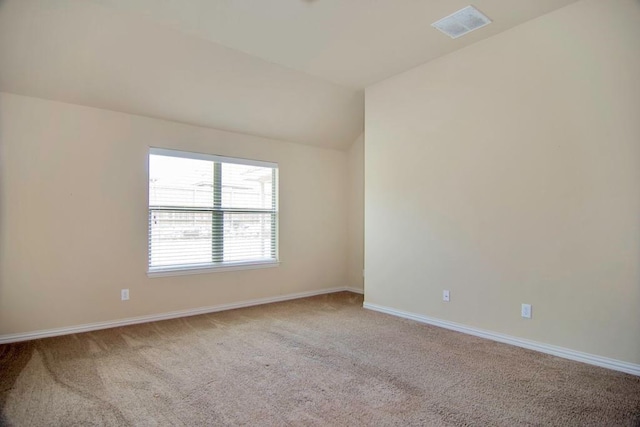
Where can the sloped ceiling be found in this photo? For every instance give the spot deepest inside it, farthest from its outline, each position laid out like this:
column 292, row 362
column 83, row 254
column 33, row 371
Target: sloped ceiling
column 350, row 42
column 79, row 52
column 287, row 69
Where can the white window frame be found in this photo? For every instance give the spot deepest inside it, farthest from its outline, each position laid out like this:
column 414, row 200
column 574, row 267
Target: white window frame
column 178, row 270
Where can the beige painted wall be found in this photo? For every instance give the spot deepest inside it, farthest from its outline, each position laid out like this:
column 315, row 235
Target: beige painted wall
column 355, row 252
column 509, row 172
column 73, row 217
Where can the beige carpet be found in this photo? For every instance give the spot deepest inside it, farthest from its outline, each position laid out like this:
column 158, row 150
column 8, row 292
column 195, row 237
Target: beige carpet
column 316, row 361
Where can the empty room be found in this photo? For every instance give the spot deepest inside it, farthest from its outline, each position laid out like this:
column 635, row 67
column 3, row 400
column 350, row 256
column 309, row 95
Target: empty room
column 319, row 212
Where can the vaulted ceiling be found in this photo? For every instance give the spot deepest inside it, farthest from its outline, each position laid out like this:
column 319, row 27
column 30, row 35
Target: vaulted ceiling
column 287, row 69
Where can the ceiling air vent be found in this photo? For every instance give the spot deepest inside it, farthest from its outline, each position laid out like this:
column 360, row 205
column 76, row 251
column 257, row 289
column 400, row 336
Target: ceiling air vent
column 462, row 22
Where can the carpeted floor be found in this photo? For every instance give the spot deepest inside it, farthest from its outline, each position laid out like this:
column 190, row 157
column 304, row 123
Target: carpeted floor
column 315, row 361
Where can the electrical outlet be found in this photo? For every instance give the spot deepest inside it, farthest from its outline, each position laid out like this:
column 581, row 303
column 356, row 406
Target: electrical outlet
column 526, row 311
column 445, row 296
column 124, row 294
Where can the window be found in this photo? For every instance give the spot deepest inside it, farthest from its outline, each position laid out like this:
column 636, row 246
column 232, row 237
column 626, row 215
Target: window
column 208, row 212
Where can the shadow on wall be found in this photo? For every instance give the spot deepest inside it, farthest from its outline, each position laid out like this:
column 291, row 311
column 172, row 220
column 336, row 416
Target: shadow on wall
column 3, row 178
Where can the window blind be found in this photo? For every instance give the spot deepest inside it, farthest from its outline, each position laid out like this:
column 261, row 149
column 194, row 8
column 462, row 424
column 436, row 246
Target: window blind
column 210, row 211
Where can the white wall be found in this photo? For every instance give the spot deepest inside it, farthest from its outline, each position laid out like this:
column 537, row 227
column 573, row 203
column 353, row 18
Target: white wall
column 73, row 217
column 355, row 252
column 509, row 172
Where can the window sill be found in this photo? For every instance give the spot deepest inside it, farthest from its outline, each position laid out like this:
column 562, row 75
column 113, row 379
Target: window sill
column 183, row 271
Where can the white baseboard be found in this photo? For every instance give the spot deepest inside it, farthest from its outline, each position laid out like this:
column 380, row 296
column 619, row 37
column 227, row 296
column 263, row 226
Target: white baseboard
column 354, row 290
column 592, row 359
column 9, row 338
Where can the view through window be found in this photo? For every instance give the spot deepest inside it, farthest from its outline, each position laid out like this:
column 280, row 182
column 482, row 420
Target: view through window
column 210, row 211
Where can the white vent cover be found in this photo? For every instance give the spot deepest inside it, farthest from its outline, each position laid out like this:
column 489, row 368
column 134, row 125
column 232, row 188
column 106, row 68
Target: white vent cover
column 462, row 22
